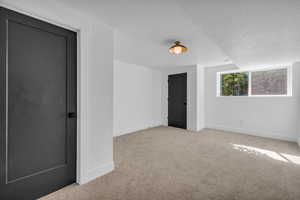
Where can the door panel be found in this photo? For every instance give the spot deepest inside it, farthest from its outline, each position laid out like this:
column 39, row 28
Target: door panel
column 177, row 89
column 35, row 102
column 38, row 140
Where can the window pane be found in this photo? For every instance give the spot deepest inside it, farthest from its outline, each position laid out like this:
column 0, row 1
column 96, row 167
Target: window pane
column 271, row 82
column 226, row 84
column 234, row 84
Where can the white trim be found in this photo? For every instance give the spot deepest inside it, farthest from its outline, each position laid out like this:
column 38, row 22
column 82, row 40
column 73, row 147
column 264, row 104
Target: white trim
column 98, row 172
column 257, row 96
column 82, row 97
column 36, row 16
column 82, row 85
column 264, row 134
column 250, row 84
column 290, row 80
column 118, row 133
column 256, row 69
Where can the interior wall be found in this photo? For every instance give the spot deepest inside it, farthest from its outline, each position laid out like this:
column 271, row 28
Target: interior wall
column 95, row 83
column 137, row 98
column 275, row 117
column 191, row 94
column 100, row 102
column 200, row 98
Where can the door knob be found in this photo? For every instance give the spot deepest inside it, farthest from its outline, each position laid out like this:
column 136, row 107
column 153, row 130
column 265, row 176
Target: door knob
column 72, row 115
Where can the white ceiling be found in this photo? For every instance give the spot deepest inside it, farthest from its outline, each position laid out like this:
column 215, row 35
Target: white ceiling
column 245, row 32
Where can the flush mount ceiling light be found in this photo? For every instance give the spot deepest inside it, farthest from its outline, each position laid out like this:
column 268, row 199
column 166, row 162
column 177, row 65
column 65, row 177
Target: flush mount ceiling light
column 177, row 48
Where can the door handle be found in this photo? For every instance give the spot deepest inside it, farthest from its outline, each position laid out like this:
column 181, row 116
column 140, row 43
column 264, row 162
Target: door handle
column 184, row 103
column 72, row 115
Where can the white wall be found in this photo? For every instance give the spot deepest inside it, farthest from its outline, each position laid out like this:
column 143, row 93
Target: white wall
column 137, row 98
column 191, row 94
column 100, row 102
column 275, row 117
column 95, row 83
column 200, row 97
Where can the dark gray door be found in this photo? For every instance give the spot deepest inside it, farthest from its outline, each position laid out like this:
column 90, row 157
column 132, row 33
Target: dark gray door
column 37, row 107
column 177, row 90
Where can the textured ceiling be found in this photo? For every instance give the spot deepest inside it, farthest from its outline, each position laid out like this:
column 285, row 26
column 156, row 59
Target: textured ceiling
column 246, row 33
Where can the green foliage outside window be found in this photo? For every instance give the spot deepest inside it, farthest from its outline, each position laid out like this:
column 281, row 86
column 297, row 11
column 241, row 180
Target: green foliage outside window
column 234, row 84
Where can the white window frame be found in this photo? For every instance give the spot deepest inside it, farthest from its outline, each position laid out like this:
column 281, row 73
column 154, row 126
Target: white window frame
column 289, row 81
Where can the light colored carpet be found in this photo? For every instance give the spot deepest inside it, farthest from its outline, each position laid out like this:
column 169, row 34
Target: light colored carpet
column 167, row 163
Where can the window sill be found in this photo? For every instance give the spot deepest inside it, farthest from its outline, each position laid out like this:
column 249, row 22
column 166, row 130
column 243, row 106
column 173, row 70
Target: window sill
column 258, row 96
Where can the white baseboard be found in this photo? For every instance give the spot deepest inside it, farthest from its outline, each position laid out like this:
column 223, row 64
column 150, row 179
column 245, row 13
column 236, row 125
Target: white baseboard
column 200, row 127
column 254, row 133
column 119, row 133
column 98, row 171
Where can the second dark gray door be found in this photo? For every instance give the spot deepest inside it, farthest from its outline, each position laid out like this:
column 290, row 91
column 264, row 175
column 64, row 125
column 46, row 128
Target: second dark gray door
column 37, row 99
column 177, row 100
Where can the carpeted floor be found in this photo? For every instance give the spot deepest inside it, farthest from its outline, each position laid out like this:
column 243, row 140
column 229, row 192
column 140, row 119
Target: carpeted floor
column 167, row 163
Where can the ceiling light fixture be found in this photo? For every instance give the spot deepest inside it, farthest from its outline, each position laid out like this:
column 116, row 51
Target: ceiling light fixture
column 177, row 48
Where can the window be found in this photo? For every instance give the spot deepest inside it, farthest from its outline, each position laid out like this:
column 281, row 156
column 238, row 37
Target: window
column 266, row 82
column 235, row 84
column 271, row 82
